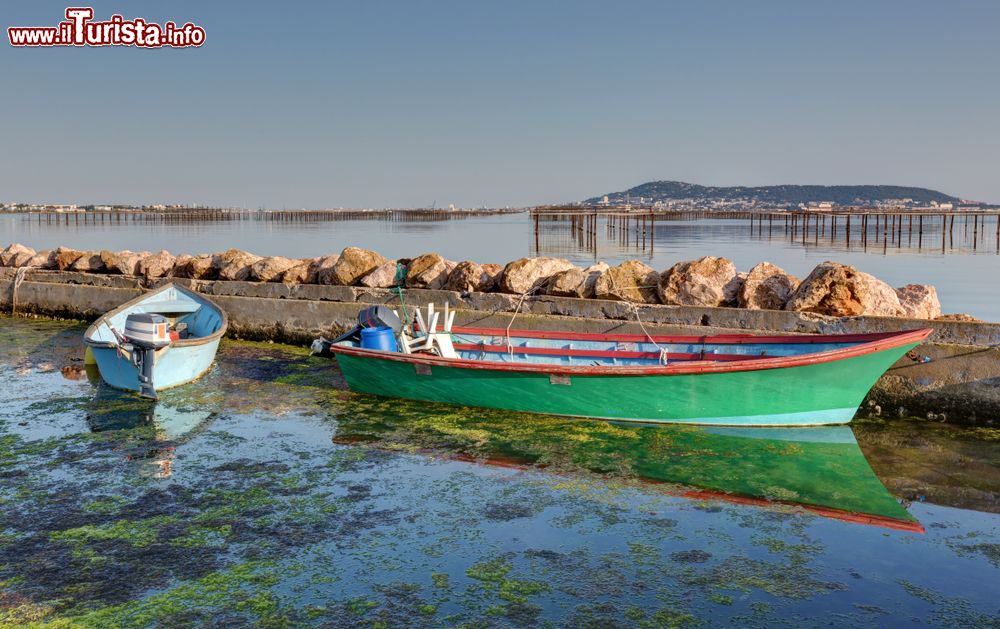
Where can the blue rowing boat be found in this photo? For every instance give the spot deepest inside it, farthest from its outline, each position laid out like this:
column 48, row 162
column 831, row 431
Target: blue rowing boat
column 165, row 338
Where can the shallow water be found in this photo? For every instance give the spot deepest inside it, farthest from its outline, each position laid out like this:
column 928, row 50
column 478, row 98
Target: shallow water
column 957, row 271
column 264, row 494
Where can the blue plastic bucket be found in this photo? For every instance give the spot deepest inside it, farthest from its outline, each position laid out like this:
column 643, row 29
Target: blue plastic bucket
column 381, row 338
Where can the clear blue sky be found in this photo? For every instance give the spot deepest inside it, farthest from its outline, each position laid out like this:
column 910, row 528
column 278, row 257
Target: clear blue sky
column 326, row 104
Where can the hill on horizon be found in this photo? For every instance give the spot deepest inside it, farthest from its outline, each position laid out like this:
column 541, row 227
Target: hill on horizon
column 778, row 195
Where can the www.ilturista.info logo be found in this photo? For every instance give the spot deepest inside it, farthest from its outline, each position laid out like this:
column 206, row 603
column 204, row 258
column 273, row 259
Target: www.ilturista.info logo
column 79, row 29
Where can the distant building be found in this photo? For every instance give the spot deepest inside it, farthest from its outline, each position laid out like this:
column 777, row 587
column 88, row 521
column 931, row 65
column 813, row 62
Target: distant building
column 822, row 206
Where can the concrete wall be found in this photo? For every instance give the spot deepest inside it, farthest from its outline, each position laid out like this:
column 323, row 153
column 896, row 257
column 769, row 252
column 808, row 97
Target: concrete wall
column 961, row 383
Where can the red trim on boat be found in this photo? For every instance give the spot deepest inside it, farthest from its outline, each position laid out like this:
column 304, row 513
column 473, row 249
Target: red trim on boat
column 718, row 339
column 596, row 353
column 879, row 343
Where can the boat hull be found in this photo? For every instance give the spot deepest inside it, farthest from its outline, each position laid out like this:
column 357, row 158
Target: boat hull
column 809, row 394
column 184, row 360
column 177, row 366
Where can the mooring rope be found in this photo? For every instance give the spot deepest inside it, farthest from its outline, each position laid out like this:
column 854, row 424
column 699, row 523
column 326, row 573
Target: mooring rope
column 635, row 311
column 400, row 277
column 517, row 309
column 18, row 278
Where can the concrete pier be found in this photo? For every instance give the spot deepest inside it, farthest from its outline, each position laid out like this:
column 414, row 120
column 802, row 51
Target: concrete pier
column 961, row 383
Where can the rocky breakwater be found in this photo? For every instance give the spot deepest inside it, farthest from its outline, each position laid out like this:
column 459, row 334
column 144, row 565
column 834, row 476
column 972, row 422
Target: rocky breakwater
column 830, row 289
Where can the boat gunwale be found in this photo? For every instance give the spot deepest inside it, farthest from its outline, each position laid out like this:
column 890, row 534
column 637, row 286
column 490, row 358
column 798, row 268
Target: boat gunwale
column 713, row 339
column 190, row 342
column 877, row 343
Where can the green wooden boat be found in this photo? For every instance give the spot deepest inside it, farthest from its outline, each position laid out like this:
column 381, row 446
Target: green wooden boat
column 739, row 380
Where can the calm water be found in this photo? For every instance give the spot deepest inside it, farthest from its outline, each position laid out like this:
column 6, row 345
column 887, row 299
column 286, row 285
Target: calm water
column 958, row 274
column 265, row 495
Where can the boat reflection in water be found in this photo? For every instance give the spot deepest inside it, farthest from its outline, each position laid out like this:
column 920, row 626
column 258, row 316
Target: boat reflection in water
column 112, row 409
column 821, row 470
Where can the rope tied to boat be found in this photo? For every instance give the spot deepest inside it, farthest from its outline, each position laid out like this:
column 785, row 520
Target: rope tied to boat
column 635, row 311
column 400, row 277
column 517, row 309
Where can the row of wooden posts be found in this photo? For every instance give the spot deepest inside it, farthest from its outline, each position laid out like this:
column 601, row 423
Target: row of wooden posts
column 922, row 230
column 217, row 215
column 889, row 229
column 628, row 230
column 925, row 231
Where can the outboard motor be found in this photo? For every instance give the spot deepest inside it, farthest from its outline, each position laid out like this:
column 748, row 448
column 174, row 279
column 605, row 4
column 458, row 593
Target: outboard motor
column 371, row 317
column 146, row 333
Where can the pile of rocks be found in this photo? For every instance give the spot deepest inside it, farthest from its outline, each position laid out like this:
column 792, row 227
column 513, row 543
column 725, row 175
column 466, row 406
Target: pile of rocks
column 830, row 289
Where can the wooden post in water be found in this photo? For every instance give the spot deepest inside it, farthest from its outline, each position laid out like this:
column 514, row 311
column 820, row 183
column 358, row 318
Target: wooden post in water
column 652, row 232
column 536, row 234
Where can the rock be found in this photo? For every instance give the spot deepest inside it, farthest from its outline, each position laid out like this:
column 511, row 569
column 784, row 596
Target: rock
column 353, row 264
column 568, row 283
column 731, row 291
column 269, row 269
column 234, row 265
column 384, row 276
column 708, row 281
column 958, row 316
column 63, row 258
column 429, row 271
column 766, row 287
column 201, row 267
column 180, row 261
column 629, row 281
column 302, row 272
column 883, row 301
column 575, row 282
column 89, row 262
column 840, row 290
column 493, row 271
column 16, row 255
column 471, row 277
column 919, row 301
column 323, row 268
column 521, row 276
column 154, row 265
column 41, row 260
column 122, row 262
